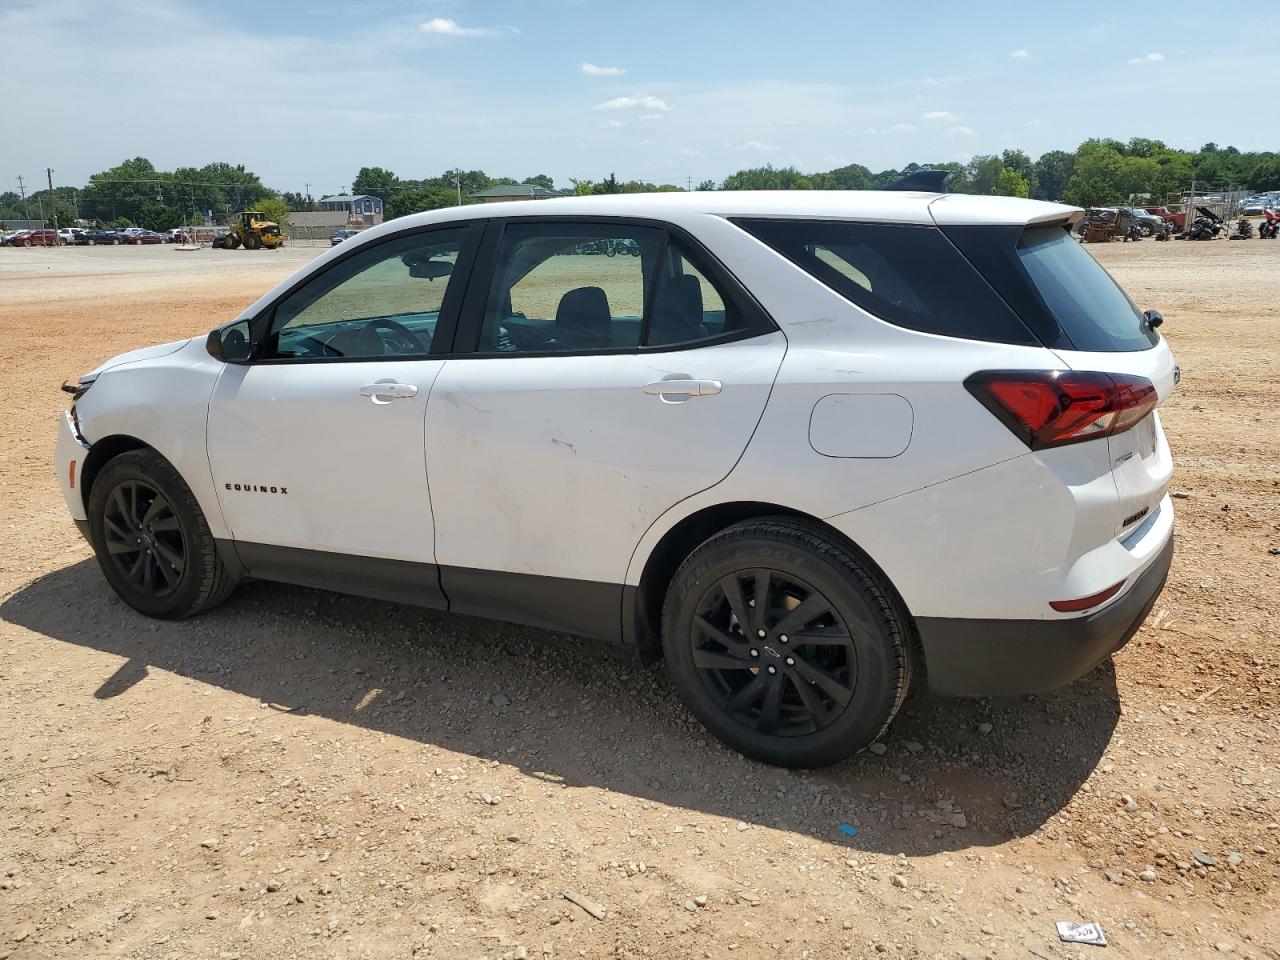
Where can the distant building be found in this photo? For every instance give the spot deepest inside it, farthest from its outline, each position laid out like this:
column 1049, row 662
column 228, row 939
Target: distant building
column 319, row 218
column 359, row 209
column 514, row 191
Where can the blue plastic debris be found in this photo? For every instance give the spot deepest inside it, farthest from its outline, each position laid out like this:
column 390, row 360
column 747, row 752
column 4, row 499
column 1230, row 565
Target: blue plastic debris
column 848, row 830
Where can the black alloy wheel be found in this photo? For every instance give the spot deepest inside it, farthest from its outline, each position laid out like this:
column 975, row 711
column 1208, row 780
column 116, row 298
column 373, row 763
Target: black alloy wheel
column 151, row 538
column 787, row 642
column 774, row 653
column 143, row 537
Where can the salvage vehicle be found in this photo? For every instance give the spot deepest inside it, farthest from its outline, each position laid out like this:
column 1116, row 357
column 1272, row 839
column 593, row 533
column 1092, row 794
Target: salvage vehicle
column 803, row 447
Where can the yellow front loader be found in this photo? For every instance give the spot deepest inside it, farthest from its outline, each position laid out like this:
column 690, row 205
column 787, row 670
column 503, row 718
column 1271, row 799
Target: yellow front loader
column 252, row 230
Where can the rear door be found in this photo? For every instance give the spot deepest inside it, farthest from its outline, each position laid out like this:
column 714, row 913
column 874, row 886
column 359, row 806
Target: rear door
column 604, row 372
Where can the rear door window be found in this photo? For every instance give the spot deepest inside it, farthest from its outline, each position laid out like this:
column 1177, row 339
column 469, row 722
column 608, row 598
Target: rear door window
column 563, row 287
column 910, row 276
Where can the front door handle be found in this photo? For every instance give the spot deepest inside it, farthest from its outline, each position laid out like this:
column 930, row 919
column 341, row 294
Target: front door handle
column 678, row 389
column 384, row 391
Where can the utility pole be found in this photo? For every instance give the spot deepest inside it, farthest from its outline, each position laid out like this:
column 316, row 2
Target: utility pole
column 688, row 184
column 53, row 200
column 457, row 182
column 26, row 211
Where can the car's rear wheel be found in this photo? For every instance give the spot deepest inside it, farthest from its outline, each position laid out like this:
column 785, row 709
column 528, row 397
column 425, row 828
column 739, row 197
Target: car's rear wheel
column 785, row 643
column 151, row 538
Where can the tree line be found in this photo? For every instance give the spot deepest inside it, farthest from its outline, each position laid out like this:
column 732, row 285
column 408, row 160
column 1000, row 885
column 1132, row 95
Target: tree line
column 1100, row 172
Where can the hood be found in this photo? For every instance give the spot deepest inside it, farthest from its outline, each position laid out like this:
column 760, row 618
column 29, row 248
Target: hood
column 144, row 353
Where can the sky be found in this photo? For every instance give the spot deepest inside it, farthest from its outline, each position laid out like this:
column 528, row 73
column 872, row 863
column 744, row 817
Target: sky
column 306, row 93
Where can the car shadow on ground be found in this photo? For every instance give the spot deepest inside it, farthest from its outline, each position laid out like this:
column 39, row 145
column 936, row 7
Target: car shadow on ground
column 556, row 709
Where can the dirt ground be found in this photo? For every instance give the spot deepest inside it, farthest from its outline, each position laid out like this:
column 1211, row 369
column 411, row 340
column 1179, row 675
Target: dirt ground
column 300, row 774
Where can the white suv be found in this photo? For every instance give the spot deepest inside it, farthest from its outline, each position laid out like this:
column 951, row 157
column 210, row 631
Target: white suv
column 793, row 444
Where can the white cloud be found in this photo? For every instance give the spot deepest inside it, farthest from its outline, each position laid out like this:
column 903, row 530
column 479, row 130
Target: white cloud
column 1019, row 54
column 591, row 70
column 938, row 115
column 650, row 116
column 871, row 131
column 1035, row 124
column 1149, row 58
column 444, row 27
column 688, row 152
column 759, row 146
column 960, row 131
column 903, row 127
column 614, row 124
column 625, row 103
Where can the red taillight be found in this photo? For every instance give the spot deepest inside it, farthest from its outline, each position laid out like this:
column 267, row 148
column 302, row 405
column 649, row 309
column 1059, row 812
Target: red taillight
column 1048, row 408
column 1084, row 603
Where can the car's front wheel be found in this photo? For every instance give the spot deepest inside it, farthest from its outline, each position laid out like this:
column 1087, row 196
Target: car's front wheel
column 151, row 538
column 785, row 643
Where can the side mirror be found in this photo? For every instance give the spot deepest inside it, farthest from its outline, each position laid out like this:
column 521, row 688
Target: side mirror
column 233, row 344
column 1153, row 317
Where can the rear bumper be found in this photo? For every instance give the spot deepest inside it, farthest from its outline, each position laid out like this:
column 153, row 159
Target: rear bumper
column 976, row 658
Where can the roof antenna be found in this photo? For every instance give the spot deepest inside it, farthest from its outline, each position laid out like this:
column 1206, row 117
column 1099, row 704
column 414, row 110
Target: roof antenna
column 924, row 181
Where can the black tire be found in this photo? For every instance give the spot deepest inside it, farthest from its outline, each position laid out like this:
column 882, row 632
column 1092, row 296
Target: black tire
column 831, row 694
column 172, row 568
column 115, row 243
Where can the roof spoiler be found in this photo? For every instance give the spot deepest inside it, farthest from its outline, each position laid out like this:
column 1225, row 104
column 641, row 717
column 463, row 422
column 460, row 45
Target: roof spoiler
column 924, row 181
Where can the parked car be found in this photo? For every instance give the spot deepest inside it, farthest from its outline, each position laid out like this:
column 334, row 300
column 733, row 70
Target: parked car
column 1148, row 223
column 68, row 234
column 95, row 237
column 340, row 235
column 34, row 238
column 885, row 433
column 1175, row 217
column 8, row 235
column 139, row 237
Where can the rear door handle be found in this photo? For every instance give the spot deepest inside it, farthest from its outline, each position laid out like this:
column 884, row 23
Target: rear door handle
column 682, row 388
column 384, row 391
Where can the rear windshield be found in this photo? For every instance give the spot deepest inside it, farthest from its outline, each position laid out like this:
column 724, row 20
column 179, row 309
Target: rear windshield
column 1089, row 306
column 907, row 275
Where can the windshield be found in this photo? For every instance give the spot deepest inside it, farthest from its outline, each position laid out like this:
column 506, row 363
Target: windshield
column 1089, row 306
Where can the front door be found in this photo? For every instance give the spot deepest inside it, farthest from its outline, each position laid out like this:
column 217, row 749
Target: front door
column 611, row 376
column 316, row 446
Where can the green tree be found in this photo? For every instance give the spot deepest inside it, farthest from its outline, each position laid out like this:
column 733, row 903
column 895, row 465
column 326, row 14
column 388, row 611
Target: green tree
column 983, row 173
column 1011, row 183
column 609, row 184
column 1053, row 170
column 706, row 185
column 1265, row 174
column 540, row 180
column 416, row 201
column 157, row 216
column 298, row 203
column 1022, row 165
column 275, row 209
column 376, row 182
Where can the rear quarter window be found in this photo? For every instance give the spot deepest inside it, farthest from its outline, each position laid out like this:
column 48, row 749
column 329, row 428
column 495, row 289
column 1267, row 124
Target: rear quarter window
column 1090, row 307
column 911, row 276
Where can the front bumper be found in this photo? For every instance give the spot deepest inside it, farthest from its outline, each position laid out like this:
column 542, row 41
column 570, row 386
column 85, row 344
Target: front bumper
column 68, row 459
column 980, row 658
